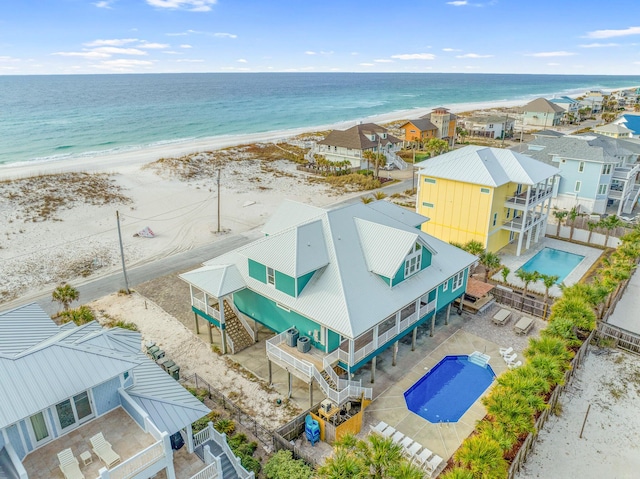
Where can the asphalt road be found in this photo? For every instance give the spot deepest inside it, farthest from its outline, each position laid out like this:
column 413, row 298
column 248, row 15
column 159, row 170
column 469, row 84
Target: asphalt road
column 110, row 283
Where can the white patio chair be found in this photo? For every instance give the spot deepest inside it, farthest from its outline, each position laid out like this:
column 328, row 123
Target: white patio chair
column 515, row 365
column 423, row 457
column 379, row 428
column 506, row 351
column 69, row 465
column 413, row 449
column 397, row 437
column 433, row 464
column 510, row 359
column 103, row 450
column 406, row 443
column 388, row 432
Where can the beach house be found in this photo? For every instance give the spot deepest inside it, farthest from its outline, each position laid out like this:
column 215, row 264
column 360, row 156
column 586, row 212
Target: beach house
column 541, row 112
column 336, row 287
column 440, row 123
column 84, row 396
column 596, row 171
column 351, row 144
column 489, row 126
column 490, row 195
column 571, row 107
column 631, row 122
column 614, row 130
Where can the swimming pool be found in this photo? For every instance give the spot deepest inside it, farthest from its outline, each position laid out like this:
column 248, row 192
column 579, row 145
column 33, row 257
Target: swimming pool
column 450, row 388
column 553, row 262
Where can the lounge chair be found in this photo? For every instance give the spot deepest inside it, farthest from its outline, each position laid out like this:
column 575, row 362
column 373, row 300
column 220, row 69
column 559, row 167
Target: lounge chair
column 423, row 456
column 506, row 351
column 515, row 365
column 379, row 428
column 397, row 437
column 510, row 359
column 413, row 449
column 69, row 465
column 433, row 464
column 103, row 450
column 388, row 432
column 406, row 443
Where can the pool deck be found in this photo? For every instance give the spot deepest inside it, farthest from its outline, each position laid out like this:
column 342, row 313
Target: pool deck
column 513, row 262
column 443, row 438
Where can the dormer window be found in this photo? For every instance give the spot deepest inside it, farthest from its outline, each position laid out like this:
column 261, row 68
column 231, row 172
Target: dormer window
column 413, row 261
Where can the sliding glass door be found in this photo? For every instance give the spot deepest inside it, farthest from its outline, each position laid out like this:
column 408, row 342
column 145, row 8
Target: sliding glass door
column 74, row 410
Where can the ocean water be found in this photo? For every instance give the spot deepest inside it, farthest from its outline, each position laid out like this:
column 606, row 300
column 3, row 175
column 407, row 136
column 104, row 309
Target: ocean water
column 44, row 118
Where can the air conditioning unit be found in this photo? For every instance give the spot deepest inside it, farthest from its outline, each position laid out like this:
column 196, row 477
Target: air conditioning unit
column 326, row 405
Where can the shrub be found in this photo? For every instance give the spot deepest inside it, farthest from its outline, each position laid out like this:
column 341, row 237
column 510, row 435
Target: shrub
column 282, row 464
column 81, row 315
column 225, row 426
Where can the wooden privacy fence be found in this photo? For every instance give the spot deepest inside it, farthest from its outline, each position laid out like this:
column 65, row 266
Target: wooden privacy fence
column 530, row 441
column 283, row 438
column 621, row 338
column 526, row 304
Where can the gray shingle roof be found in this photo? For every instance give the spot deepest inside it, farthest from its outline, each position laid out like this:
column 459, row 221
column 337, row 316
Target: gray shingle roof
column 346, row 295
column 589, row 147
column 356, row 139
column 421, row 124
column 487, row 166
column 542, row 105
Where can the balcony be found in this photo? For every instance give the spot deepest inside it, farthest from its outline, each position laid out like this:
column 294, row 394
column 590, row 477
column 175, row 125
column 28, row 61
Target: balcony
column 516, row 224
column 625, row 172
column 519, row 201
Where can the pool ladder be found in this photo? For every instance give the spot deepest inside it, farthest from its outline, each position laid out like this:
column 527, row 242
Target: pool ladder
column 479, row 358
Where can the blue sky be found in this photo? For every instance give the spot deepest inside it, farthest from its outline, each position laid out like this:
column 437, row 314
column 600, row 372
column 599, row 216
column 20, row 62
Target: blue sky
column 141, row 36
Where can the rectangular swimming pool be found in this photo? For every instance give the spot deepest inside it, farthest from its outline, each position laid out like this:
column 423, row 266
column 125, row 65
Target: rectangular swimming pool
column 553, row 262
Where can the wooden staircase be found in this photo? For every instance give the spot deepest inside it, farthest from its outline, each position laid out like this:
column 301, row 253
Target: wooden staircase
column 327, row 378
column 234, row 328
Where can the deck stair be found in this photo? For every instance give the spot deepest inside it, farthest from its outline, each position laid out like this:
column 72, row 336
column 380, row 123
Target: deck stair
column 327, row 377
column 480, row 359
column 228, row 471
column 235, row 329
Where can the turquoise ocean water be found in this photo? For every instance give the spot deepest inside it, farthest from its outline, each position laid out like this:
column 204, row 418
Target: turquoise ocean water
column 44, row 118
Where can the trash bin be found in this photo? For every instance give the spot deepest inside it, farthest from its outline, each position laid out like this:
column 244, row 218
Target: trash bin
column 159, row 354
column 152, row 350
column 176, row 441
column 292, row 337
column 174, row 372
column 304, row 345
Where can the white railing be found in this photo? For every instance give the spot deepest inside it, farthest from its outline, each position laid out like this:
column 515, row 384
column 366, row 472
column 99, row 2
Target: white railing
column 426, row 309
column 244, row 322
column 396, row 160
column 335, row 356
column 221, row 440
column 201, row 437
column 209, row 472
column 139, row 462
column 535, row 196
column 202, row 306
column 273, row 349
column 232, row 346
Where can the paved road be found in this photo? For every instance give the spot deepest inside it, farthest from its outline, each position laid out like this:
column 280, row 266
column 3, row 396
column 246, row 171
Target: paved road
column 102, row 286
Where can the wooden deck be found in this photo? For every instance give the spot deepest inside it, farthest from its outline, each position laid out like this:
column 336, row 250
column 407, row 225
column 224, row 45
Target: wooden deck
column 314, row 356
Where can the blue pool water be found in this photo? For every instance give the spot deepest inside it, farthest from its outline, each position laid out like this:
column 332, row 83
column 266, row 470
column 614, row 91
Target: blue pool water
column 553, row 262
column 450, row 388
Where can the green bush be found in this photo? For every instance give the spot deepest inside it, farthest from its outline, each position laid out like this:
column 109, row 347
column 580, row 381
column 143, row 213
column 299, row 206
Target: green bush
column 81, row 315
column 282, row 465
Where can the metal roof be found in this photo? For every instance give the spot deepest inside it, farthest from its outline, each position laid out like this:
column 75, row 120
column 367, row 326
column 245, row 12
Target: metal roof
column 217, row 280
column 289, row 214
column 612, row 128
column 404, row 215
column 23, row 327
column 487, row 166
column 345, row 295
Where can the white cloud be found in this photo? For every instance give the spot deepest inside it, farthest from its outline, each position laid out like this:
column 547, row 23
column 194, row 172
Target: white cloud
column 334, row 69
column 241, row 60
column 185, row 45
column 553, row 64
column 414, row 56
column 599, row 45
column 309, row 52
column 473, row 55
column 614, row 33
column 153, row 46
column 191, row 5
column 551, row 54
column 189, row 60
column 366, row 64
column 458, row 3
column 115, row 42
column 225, row 35
column 198, row 32
column 383, row 60
column 120, row 51
column 85, row 54
column 451, row 50
column 103, row 4
column 122, row 65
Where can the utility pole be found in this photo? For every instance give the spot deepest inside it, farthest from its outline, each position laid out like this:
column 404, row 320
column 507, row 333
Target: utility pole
column 124, row 269
column 218, row 200
column 504, row 130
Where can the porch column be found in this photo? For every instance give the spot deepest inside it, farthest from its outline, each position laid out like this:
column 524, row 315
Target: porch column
column 223, row 332
column 311, row 393
column 373, row 369
column 446, row 318
column 351, row 351
column 397, row 323
column 395, row 353
column 414, row 335
column 171, row 473
column 433, row 324
column 375, row 337
column 209, row 326
column 197, row 325
column 289, row 380
column 270, row 377
column 189, row 432
column 524, row 222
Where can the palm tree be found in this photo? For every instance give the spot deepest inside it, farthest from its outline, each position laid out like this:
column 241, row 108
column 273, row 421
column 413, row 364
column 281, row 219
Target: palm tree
column 548, row 281
column 549, row 346
column 573, row 215
column 610, row 223
column 366, row 199
column 341, row 465
column 368, row 155
column 592, row 225
column 378, row 160
column 436, row 146
column 79, row 316
column 457, row 473
column 527, row 277
column 560, row 216
column 405, row 470
column 474, row 247
column 490, row 261
column 483, row 457
column 493, row 430
column 617, row 274
column 65, row 294
column 505, row 274
column 526, row 379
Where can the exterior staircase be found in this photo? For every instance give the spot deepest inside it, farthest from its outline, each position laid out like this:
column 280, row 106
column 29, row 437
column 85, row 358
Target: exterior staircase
column 228, row 471
column 235, row 329
column 327, row 377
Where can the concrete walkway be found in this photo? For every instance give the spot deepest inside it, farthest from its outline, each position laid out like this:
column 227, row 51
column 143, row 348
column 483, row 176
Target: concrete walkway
column 626, row 313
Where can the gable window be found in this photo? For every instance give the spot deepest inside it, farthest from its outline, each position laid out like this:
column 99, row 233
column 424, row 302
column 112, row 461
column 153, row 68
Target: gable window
column 606, row 169
column 577, row 187
column 458, row 280
column 427, row 205
column 602, row 189
column 484, row 190
column 271, row 276
column 430, row 180
column 581, row 166
column 413, row 261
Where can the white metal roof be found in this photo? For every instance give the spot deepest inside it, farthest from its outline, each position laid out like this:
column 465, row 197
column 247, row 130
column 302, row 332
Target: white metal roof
column 345, row 295
column 24, row 327
column 404, row 215
column 290, row 213
column 218, row 280
column 488, row 166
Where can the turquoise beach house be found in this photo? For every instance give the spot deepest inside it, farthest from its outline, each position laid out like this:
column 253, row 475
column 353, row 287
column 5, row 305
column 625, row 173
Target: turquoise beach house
column 352, row 281
column 62, row 385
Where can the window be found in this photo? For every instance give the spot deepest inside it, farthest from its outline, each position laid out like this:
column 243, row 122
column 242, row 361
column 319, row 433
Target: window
column 606, row 169
column 430, row 180
column 602, row 189
column 458, row 280
column 74, row 410
column 445, row 286
column 578, row 185
column 484, row 190
column 581, row 166
column 427, row 205
column 495, row 218
column 413, row 261
column 412, row 131
column 39, row 426
column 271, row 276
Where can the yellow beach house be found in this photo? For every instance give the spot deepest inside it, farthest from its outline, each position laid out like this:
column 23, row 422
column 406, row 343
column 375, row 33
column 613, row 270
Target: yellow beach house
column 490, row 195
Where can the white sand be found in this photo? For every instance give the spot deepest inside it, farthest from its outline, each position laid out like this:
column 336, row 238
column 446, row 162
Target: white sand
column 609, row 446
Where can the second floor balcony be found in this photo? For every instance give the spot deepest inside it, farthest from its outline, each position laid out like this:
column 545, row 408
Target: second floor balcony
column 519, row 223
column 536, row 195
